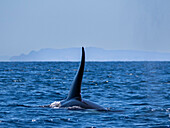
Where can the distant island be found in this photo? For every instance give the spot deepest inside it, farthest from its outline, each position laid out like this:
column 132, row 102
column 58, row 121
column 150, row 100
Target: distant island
column 92, row 54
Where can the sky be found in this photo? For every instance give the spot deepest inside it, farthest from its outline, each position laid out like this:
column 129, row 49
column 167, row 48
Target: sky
column 27, row 25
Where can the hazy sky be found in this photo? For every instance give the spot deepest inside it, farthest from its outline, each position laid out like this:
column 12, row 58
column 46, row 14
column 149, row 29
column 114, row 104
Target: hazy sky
column 27, row 25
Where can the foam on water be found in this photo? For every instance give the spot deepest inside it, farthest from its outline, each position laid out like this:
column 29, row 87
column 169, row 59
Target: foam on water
column 55, row 104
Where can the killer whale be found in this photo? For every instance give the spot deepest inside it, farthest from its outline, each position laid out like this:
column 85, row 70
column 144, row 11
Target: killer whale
column 74, row 99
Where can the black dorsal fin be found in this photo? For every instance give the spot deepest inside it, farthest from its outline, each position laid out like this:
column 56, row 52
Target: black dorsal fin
column 75, row 90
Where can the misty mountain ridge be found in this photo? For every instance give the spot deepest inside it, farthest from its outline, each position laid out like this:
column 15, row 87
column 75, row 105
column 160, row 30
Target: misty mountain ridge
column 92, row 54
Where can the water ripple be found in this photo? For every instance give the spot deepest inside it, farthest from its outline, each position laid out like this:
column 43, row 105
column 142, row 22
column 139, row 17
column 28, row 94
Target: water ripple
column 137, row 94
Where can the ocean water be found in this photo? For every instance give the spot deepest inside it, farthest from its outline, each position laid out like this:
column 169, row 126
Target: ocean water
column 137, row 93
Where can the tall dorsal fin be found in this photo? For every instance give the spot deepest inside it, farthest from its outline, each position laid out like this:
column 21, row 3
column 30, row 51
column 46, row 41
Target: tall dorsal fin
column 75, row 90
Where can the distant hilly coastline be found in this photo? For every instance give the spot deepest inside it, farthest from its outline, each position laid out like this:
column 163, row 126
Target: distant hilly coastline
column 92, row 54
column 4, row 58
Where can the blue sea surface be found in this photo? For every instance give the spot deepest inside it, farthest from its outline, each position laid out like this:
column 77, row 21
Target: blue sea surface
column 137, row 93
